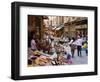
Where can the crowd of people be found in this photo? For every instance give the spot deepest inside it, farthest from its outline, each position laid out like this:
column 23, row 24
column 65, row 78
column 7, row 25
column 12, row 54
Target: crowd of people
column 52, row 50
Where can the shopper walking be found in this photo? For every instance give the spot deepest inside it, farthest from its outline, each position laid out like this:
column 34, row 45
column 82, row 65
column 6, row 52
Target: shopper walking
column 87, row 48
column 79, row 45
column 73, row 46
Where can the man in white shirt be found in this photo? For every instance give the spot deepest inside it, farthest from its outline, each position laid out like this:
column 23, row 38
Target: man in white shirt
column 79, row 45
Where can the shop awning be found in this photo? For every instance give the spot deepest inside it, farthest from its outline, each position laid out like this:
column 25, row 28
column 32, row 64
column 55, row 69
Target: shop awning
column 60, row 27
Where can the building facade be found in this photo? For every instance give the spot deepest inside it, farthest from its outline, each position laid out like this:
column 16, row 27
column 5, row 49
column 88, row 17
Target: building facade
column 70, row 25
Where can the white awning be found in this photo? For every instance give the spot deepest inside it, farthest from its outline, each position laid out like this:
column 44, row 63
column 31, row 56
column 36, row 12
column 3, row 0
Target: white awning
column 59, row 27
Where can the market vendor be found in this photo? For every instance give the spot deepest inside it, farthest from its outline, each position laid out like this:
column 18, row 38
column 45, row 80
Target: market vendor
column 33, row 44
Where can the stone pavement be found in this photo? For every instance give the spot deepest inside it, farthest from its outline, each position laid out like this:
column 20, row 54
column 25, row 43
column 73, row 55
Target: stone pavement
column 80, row 60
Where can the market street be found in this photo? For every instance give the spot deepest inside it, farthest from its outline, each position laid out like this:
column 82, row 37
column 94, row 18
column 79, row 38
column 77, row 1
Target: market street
column 55, row 40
